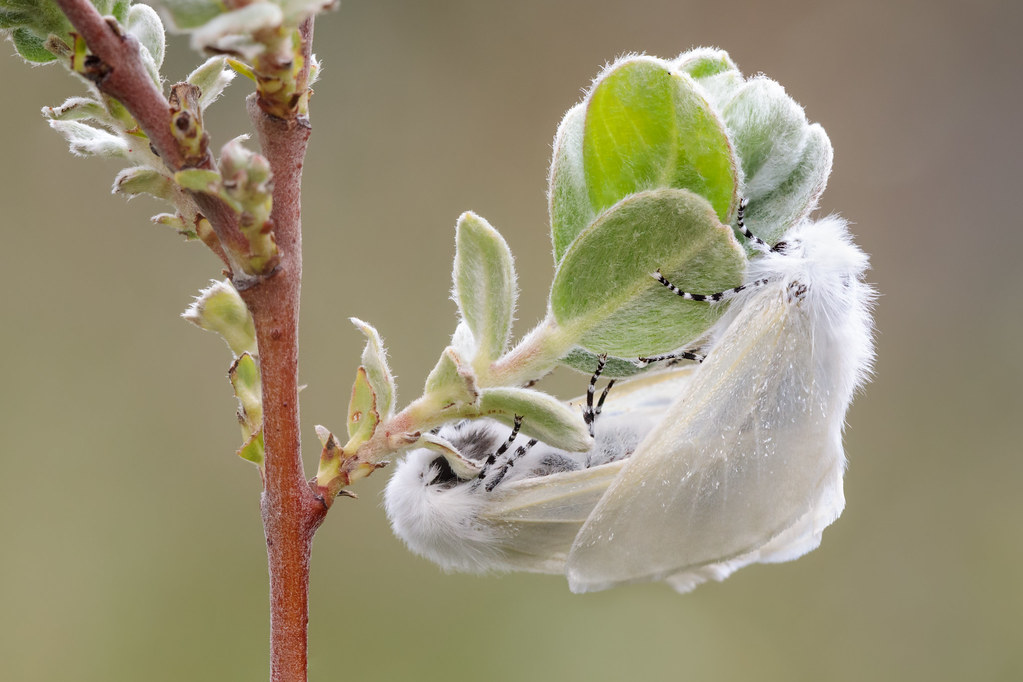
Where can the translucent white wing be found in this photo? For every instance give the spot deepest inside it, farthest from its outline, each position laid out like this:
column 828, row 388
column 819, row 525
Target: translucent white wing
column 746, row 466
column 528, row 522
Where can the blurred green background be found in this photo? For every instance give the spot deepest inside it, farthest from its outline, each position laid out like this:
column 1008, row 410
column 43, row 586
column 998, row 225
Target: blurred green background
column 131, row 542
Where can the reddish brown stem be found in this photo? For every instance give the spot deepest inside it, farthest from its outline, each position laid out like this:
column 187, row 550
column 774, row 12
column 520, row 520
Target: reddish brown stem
column 291, row 512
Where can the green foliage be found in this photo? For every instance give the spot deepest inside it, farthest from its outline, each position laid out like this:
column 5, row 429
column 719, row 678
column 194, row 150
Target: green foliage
column 543, row 417
column 32, row 23
column 643, row 125
column 378, row 374
column 604, row 291
column 484, row 286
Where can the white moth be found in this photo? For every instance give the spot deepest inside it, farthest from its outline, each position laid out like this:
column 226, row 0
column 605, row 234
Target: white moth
column 712, row 468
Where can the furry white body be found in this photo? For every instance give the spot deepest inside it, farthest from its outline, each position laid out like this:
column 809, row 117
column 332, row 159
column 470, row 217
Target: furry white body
column 695, row 472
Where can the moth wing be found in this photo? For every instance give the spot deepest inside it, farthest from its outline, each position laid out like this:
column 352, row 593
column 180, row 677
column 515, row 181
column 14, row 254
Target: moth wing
column 547, row 512
column 748, row 452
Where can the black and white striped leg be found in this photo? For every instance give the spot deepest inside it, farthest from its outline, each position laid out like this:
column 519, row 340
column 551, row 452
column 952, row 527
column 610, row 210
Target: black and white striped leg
column 485, row 469
column 673, row 358
column 603, row 397
column 590, row 412
column 509, row 463
column 710, row 298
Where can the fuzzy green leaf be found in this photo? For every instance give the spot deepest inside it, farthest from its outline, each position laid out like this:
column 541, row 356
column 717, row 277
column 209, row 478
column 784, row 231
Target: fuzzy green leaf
column 463, row 467
column 543, row 417
column 244, row 376
column 363, row 415
column 78, row 109
column 220, row 309
column 704, row 62
column 211, row 77
column 86, row 140
column 786, row 161
column 648, row 126
column 614, row 368
column 484, row 280
column 142, row 180
column 452, row 382
column 144, row 23
column 604, row 291
column 31, row 47
column 374, row 359
column 199, row 180
column 567, row 196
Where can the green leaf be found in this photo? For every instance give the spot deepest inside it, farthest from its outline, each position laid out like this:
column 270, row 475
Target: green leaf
column 374, row 360
column 704, row 62
column 188, row 14
column 142, row 180
column 363, row 415
column 543, row 417
column 79, row 109
column 220, row 309
column 86, row 140
column 647, row 127
column 463, row 467
column 253, row 450
column 199, row 180
column 451, row 382
column 144, row 23
column 567, row 196
column 31, row 47
column 603, row 288
column 786, row 161
column 244, row 376
column 772, row 210
column 211, row 77
column 484, row 279
column 614, row 368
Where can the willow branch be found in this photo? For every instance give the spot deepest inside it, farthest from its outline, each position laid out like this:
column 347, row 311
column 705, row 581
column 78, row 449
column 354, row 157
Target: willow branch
column 122, row 75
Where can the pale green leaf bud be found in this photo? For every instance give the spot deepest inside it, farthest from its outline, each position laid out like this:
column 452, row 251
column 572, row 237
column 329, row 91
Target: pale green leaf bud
column 211, row 77
column 484, row 287
column 144, row 23
column 543, row 417
column 142, row 180
column 220, row 309
column 374, row 360
column 452, row 383
column 86, row 140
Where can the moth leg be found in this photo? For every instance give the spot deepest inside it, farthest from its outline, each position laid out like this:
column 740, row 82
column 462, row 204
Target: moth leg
column 509, row 463
column 485, row 469
column 710, row 298
column 740, row 222
column 590, row 412
column 673, row 358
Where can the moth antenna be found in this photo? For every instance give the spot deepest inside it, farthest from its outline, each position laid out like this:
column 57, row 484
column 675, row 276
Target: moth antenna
column 510, row 462
column 589, row 412
column 485, row 469
column 710, row 298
